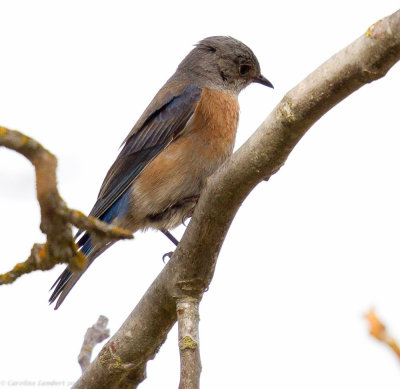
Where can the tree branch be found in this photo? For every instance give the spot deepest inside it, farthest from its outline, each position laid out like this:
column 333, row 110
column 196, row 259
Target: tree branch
column 94, row 335
column 188, row 334
column 56, row 217
column 121, row 362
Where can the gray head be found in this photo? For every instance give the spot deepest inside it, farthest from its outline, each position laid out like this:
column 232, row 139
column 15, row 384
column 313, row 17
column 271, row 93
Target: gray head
column 222, row 62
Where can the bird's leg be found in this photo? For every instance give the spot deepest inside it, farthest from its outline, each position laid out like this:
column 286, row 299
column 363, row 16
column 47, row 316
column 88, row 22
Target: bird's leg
column 170, row 237
column 192, row 199
column 173, row 240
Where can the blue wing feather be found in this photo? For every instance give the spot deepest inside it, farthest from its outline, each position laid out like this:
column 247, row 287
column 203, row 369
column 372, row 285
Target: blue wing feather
column 159, row 129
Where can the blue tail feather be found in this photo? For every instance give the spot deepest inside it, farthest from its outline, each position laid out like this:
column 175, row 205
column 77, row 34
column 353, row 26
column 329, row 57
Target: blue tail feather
column 118, row 210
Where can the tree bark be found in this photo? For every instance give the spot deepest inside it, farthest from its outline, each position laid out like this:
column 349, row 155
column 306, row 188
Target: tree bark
column 188, row 334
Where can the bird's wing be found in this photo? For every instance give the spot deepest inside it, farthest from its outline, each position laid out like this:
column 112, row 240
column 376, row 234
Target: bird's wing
column 162, row 122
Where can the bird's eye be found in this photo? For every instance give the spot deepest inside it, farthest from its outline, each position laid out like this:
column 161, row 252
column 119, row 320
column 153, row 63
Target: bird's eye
column 244, row 69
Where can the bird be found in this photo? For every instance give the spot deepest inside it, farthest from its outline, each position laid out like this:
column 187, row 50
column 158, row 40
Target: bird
column 187, row 131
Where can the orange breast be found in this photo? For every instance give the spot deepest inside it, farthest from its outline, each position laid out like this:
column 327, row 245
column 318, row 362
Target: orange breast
column 216, row 118
column 181, row 169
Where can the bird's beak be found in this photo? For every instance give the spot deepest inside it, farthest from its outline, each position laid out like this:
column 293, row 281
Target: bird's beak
column 263, row 81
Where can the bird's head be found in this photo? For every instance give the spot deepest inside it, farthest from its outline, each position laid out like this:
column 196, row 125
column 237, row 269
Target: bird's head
column 223, row 63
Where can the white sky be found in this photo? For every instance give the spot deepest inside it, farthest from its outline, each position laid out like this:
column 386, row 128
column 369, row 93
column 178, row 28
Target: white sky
column 309, row 252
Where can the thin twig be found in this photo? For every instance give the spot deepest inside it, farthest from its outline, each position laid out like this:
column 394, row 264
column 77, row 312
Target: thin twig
column 187, row 309
column 97, row 228
column 94, row 335
column 56, row 217
column 378, row 330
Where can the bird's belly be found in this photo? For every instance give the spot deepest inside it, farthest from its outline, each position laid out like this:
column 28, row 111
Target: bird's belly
column 168, row 188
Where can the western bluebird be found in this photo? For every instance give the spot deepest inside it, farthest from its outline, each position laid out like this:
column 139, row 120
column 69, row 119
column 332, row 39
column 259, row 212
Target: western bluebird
column 183, row 136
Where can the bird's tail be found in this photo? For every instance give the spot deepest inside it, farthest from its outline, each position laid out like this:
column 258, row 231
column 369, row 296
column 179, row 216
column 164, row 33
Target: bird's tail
column 67, row 279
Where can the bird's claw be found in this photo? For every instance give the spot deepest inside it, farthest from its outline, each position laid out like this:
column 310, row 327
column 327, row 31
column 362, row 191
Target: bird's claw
column 169, row 255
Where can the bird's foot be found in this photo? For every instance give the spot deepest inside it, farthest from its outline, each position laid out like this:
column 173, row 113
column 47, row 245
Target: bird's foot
column 169, row 255
column 173, row 240
column 189, row 214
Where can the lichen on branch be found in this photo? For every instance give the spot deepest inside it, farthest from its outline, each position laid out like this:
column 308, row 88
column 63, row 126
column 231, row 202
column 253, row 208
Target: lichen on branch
column 56, row 218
